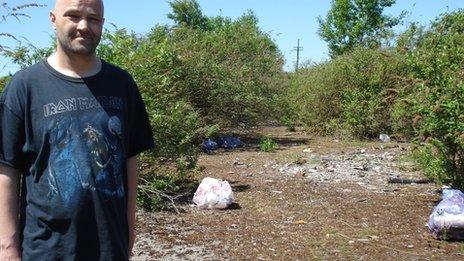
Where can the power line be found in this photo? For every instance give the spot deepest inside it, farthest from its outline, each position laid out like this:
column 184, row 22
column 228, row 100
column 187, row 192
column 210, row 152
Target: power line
column 297, row 49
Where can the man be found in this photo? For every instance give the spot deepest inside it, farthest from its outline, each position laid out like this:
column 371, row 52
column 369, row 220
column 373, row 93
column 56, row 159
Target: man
column 71, row 126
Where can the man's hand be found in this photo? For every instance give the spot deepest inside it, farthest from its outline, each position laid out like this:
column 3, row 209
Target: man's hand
column 9, row 249
column 9, row 202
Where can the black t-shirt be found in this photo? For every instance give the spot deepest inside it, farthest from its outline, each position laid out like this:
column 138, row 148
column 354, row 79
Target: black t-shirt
column 71, row 138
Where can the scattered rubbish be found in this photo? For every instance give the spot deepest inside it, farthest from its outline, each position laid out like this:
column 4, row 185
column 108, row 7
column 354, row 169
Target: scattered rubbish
column 238, row 162
column 363, row 168
column 384, row 137
column 447, row 219
column 213, row 194
column 226, row 142
column 407, row 181
column 209, row 145
column 229, row 142
column 234, row 226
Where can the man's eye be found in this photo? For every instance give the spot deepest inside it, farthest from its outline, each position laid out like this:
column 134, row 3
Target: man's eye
column 72, row 16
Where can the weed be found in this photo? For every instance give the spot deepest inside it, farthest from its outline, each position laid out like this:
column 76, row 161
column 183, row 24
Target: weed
column 268, row 145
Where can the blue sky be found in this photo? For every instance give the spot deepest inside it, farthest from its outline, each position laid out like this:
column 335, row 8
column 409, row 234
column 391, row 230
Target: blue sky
column 286, row 21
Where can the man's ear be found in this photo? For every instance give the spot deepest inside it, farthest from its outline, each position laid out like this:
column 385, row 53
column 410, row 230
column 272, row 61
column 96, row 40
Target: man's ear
column 53, row 18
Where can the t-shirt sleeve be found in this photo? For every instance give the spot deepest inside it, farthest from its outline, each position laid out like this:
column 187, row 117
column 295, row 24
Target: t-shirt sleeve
column 12, row 137
column 140, row 136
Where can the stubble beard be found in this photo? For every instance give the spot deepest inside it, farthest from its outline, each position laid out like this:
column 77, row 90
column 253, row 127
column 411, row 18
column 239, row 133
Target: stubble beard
column 72, row 46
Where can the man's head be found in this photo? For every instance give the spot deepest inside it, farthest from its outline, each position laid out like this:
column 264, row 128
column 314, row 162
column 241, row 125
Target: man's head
column 78, row 25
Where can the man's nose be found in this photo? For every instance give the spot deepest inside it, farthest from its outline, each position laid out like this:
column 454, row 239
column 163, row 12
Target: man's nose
column 82, row 25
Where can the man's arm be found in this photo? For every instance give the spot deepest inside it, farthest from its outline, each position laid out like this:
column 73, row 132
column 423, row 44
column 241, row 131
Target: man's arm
column 132, row 177
column 9, row 202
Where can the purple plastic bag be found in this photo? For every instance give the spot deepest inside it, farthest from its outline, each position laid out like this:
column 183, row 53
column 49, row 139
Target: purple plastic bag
column 447, row 218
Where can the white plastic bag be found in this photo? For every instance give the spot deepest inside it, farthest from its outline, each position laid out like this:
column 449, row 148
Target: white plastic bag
column 213, row 194
column 384, row 137
column 447, row 218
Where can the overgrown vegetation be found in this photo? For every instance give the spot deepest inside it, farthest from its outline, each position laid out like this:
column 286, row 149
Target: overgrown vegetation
column 413, row 90
column 350, row 96
column 437, row 98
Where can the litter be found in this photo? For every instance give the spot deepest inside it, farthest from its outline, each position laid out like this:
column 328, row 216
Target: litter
column 213, row 194
column 226, row 142
column 447, row 218
column 229, row 142
column 209, row 145
column 384, row 137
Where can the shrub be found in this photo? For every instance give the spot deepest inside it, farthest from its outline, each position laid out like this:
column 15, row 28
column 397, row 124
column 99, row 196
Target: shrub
column 314, row 97
column 3, row 81
column 436, row 65
column 350, row 95
column 267, row 145
column 231, row 72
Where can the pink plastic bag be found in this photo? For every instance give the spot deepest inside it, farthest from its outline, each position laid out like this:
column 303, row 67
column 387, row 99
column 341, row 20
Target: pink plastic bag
column 213, row 194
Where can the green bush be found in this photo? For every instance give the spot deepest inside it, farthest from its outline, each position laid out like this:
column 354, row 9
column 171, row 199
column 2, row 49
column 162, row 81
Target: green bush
column 438, row 94
column 435, row 165
column 350, row 95
column 268, row 145
column 3, row 81
column 230, row 73
column 315, row 98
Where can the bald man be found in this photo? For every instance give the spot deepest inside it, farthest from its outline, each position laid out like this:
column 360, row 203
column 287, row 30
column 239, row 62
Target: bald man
column 71, row 127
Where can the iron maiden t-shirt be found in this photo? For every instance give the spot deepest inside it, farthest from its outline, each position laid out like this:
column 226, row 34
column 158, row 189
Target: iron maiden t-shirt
column 71, row 137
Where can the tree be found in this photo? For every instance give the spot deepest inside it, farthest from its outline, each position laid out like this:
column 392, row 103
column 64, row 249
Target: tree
column 352, row 23
column 188, row 13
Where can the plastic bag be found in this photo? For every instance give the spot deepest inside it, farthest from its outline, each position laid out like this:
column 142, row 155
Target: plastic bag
column 384, row 137
column 229, row 142
column 447, row 218
column 209, row 145
column 213, row 194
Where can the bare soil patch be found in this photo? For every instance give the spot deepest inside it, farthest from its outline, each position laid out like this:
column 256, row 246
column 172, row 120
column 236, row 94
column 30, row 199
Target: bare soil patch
column 314, row 198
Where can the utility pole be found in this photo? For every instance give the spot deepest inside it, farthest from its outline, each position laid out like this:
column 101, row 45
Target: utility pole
column 297, row 49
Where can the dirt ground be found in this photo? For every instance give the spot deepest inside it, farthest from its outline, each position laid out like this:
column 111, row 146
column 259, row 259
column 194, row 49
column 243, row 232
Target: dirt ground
column 312, row 199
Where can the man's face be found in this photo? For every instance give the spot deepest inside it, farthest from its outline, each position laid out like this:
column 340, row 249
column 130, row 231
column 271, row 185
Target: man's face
column 78, row 25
